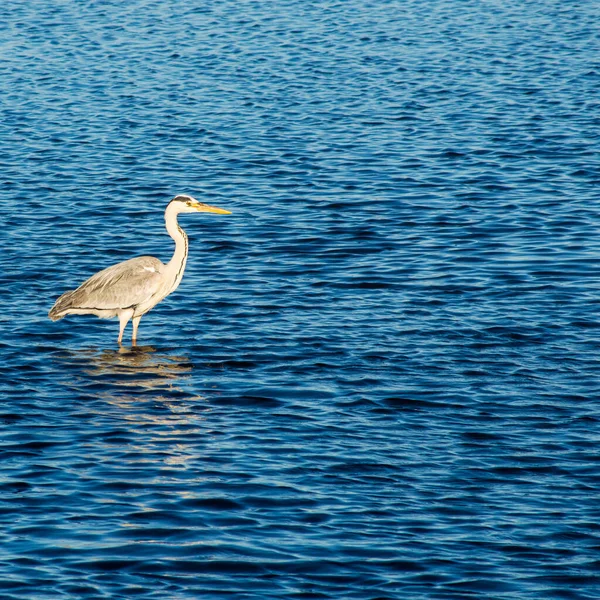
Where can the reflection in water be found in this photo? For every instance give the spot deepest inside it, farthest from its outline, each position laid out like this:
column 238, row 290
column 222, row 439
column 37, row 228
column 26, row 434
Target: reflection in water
column 131, row 376
column 141, row 366
column 142, row 392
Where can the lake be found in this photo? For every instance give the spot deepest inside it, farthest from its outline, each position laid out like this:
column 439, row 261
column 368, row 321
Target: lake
column 378, row 378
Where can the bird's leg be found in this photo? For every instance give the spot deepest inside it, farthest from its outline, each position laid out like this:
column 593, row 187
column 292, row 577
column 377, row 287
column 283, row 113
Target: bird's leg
column 124, row 317
column 135, row 322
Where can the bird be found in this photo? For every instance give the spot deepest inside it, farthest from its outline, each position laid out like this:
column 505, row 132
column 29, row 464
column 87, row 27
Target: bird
column 129, row 289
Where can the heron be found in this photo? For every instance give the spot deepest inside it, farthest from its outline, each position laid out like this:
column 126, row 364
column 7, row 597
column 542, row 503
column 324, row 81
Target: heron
column 129, row 289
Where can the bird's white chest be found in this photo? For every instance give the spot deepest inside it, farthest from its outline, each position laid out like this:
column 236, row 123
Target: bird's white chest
column 169, row 282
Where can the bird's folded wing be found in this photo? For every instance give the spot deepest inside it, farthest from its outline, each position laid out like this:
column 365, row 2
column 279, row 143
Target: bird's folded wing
column 121, row 286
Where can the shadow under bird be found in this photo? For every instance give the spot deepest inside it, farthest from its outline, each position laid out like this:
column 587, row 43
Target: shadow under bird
column 129, row 289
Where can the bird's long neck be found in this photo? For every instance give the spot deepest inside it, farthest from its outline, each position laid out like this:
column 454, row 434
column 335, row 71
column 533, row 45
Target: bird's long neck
column 176, row 265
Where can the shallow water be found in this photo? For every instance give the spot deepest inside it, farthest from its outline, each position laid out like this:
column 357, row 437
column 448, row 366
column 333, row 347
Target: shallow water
column 379, row 376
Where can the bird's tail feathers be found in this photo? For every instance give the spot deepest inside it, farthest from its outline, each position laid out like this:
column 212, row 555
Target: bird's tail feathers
column 61, row 306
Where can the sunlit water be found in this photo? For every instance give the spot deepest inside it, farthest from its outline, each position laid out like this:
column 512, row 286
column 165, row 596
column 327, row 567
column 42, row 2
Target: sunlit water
column 379, row 377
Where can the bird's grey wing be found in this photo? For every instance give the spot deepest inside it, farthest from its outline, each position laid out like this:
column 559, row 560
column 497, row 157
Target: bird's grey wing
column 123, row 285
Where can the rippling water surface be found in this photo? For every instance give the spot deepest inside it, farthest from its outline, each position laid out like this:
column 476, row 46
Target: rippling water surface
column 379, row 377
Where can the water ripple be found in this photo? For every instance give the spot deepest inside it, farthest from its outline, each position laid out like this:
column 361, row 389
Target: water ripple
column 378, row 378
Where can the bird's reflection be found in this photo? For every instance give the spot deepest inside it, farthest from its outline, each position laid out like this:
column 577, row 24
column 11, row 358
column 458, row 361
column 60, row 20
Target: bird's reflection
column 145, row 394
column 139, row 370
column 141, row 366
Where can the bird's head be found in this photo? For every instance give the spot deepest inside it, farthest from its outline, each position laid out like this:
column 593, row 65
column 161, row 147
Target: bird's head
column 187, row 204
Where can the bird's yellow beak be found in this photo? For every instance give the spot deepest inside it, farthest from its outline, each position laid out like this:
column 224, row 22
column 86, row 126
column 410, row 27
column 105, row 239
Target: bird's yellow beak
column 211, row 209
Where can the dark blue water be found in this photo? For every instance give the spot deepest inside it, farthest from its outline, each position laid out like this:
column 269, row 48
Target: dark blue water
column 380, row 376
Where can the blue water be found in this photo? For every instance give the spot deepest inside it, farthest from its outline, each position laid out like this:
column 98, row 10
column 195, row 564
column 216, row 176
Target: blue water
column 379, row 378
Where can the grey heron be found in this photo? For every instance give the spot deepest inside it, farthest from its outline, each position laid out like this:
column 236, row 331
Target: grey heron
column 128, row 290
